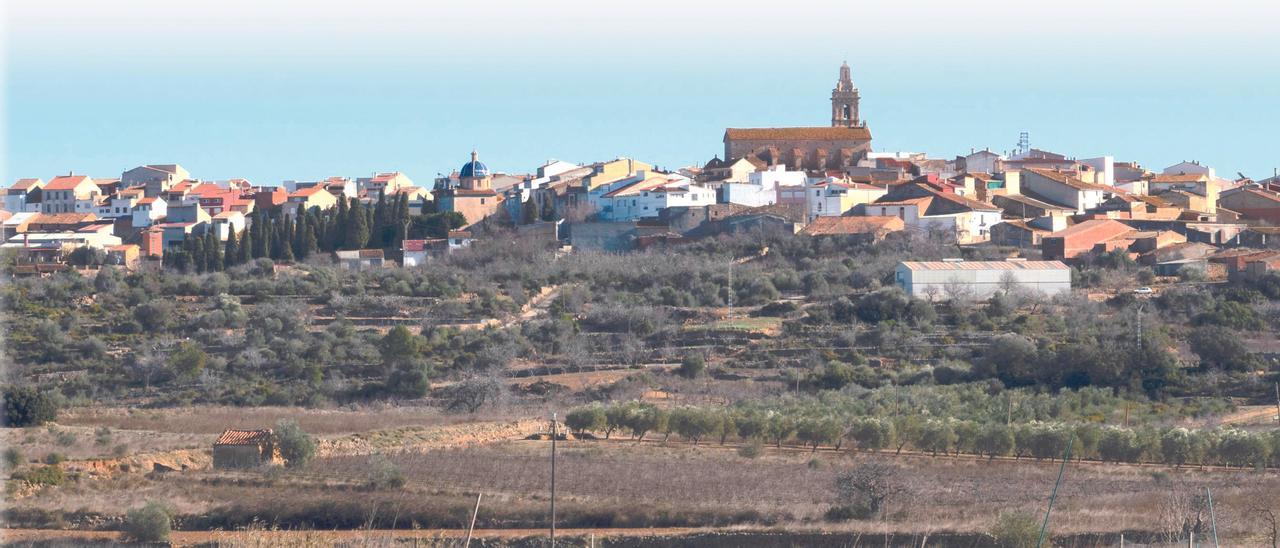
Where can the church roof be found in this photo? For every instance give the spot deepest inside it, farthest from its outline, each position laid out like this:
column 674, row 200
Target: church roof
column 798, row 134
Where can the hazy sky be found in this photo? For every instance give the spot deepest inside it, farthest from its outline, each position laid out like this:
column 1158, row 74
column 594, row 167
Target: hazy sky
column 302, row 90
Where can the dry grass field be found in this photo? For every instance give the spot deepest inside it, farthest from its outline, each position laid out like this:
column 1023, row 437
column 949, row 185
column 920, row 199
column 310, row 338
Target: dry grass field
column 608, row 484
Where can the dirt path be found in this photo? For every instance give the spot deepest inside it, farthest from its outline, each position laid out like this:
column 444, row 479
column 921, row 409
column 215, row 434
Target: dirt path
column 1251, row 414
column 328, row 538
column 424, row 439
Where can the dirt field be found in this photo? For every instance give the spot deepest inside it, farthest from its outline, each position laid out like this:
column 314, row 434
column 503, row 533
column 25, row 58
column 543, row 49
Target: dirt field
column 446, row 459
column 939, row 494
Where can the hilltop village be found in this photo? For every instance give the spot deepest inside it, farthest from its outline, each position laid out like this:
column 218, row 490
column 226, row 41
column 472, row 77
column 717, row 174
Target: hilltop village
column 801, row 341
column 813, row 181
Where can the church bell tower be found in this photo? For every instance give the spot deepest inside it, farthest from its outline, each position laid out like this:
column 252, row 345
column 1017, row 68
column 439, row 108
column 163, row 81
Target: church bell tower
column 844, row 101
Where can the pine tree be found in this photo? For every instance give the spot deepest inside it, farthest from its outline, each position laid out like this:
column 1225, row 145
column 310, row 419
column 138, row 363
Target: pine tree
column 357, row 229
column 230, row 250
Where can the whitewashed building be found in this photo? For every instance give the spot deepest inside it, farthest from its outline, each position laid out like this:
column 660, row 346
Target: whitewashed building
column 646, row 194
column 952, row 278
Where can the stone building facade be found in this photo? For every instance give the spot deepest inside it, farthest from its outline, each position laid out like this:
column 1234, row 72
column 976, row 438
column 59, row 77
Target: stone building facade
column 842, row 145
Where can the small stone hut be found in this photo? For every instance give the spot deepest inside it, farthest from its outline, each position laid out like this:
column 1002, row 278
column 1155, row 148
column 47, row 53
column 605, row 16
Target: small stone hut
column 245, row 449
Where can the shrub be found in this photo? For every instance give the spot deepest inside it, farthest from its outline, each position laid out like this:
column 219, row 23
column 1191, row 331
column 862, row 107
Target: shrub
column 863, row 491
column 1016, row 530
column 587, row 418
column 102, row 436
column 384, row 474
column 43, row 475
column 66, row 438
column 28, row 406
column 296, row 446
column 12, row 457
column 751, row 449
column 692, row 366
column 55, row 458
column 150, row 523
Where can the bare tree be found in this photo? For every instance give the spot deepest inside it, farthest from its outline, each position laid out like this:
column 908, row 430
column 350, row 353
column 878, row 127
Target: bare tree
column 474, row 392
column 866, row 489
column 1266, row 516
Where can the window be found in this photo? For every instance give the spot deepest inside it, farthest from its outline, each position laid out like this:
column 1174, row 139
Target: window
column 902, row 213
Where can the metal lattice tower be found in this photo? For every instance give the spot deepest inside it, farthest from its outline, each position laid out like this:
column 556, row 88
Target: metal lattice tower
column 1024, row 142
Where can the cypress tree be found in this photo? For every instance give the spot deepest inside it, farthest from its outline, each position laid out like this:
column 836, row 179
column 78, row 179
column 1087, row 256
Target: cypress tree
column 198, row 257
column 300, row 228
column 308, row 243
column 212, row 251
column 548, row 210
column 529, row 212
column 246, row 248
column 260, row 237
column 379, row 225
column 357, row 233
column 340, row 222
column 231, row 250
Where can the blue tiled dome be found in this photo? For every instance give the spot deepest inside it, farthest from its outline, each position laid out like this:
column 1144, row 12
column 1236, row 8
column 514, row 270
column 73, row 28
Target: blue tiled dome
column 473, row 168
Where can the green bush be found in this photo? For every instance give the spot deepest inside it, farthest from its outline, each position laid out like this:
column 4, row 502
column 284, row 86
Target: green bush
column 692, row 366
column 28, row 406
column 1016, row 530
column 384, row 474
column 296, row 446
column 150, row 523
column 13, row 457
column 751, row 449
column 42, row 475
column 55, row 458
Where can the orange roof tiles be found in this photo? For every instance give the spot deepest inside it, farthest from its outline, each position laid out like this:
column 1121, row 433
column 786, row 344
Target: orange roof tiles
column 830, row 226
column 243, row 437
column 798, row 134
column 1180, row 178
column 25, row 184
column 66, row 182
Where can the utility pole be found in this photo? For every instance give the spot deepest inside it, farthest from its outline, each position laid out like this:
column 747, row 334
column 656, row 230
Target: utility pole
column 729, row 298
column 1044, row 528
column 473, row 522
column 1213, row 517
column 1278, row 402
column 553, row 480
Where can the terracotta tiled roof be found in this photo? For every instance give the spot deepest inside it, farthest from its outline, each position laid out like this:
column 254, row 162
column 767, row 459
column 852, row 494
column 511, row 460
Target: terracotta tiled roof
column 63, row 218
column 825, row 226
column 1180, row 178
column 413, row 245
column 25, row 184
column 1099, row 229
column 459, row 234
column 1068, row 180
column 243, row 437
column 305, row 192
column 66, row 182
column 798, row 134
